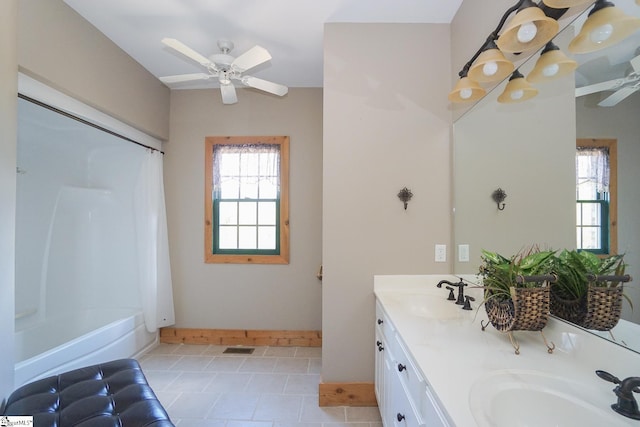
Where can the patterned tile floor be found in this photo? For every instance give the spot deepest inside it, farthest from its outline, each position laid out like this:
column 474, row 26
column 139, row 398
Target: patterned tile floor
column 200, row 386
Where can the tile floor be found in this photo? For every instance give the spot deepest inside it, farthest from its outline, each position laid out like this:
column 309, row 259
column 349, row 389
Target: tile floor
column 272, row 387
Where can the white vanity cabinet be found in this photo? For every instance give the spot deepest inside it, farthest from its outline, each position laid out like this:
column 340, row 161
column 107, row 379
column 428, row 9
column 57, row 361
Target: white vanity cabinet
column 403, row 394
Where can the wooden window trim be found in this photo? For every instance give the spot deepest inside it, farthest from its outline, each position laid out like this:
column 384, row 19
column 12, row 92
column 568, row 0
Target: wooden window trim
column 283, row 257
column 612, row 146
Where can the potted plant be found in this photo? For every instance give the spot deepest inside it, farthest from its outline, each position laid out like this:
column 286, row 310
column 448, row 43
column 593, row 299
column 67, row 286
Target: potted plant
column 589, row 289
column 516, row 291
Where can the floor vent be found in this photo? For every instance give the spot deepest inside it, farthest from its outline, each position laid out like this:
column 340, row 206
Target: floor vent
column 238, row 350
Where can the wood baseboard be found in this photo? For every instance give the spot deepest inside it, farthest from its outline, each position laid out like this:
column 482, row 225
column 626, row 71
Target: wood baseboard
column 241, row 337
column 347, row 394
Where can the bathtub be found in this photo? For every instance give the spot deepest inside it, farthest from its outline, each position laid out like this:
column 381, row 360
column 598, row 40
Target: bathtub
column 79, row 339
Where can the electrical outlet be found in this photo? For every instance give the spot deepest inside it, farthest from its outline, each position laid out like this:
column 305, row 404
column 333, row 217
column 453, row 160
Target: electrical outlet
column 463, row 253
column 441, row 253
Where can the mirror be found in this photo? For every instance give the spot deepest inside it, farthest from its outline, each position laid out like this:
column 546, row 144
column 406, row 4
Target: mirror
column 528, row 151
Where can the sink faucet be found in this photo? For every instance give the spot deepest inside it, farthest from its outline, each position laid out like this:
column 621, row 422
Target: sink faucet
column 626, row 404
column 460, row 285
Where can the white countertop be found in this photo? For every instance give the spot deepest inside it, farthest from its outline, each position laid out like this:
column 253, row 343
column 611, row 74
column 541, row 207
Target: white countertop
column 454, row 354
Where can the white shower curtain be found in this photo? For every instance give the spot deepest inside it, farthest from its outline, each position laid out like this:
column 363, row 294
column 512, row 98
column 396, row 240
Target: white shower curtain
column 153, row 244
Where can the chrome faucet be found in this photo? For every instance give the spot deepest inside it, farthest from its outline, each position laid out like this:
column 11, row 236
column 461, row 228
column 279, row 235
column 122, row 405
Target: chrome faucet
column 626, row 404
column 460, row 285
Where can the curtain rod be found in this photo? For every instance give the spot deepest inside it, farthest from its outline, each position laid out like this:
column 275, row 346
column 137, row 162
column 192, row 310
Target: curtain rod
column 86, row 122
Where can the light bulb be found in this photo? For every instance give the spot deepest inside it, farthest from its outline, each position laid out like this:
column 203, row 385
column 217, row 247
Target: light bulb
column 490, row 68
column 550, row 70
column 466, row 93
column 602, row 33
column 527, row 32
column 516, row 94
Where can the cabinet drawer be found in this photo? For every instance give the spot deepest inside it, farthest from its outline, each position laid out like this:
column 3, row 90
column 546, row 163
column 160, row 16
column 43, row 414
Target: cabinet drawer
column 409, row 375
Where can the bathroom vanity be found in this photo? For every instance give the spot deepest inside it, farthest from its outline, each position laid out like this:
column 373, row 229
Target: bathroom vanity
column 435, row 366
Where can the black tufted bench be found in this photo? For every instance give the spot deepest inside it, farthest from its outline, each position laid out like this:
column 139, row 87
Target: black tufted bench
column 112, row 394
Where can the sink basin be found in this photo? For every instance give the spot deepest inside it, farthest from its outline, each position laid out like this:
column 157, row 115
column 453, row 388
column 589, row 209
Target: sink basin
column 426, row 305
column 518, row 398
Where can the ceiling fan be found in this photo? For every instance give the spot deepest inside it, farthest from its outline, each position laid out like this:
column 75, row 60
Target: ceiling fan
column 623, row 87
column 225, row 68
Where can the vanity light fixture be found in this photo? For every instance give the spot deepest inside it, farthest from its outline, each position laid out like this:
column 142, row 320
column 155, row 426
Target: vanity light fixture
column 518, row 89
column 405, row 195
column 551, row 64
column 491, row 65
column 605, row 26
column 466, row 90
column 529, row 29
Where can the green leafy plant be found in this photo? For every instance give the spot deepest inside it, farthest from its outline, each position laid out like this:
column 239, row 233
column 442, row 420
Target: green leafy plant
column 572, row 268
column 499, row 273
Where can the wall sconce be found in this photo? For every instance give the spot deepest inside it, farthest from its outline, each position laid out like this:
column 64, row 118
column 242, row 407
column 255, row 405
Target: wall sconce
column 491, row 65
column 405, row 195
column 529, row 29
column 466, row 90
column 498, row 196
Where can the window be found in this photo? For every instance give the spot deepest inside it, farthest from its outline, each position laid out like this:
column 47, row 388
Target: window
column 596, row 201
column 246, row 200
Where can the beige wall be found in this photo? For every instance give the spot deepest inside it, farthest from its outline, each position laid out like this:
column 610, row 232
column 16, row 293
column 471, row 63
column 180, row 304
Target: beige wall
column 386, row 126
column 620, row 122
column 8, row 130
column 58, row 47
column 244, row 296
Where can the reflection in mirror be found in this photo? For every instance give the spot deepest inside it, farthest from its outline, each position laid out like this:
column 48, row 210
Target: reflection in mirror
column 528, row 149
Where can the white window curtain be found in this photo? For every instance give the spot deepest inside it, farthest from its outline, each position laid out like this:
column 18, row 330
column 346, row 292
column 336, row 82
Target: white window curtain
column 252, row 168
column 593, row 163
column 156, row 290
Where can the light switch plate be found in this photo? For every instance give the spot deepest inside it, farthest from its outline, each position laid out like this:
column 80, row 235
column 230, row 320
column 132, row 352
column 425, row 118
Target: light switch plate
column 463, row 253
column 441, row 253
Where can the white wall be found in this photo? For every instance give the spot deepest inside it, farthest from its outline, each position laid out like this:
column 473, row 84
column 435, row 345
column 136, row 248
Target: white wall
column 8, row 139
column 241, row 296
column 386, row 126
column 620, row 122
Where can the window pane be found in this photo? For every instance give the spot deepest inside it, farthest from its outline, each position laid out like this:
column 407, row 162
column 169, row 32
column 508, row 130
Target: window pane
column 267, row 213
column 587, row 190
column 247, row 238
column 267, row 237
column 249, row 188
column 590, row 214
column 247, row 213
column 590, row 238
column 228, row 213
column 229, row 188
column 229, row 164
column 228, row 238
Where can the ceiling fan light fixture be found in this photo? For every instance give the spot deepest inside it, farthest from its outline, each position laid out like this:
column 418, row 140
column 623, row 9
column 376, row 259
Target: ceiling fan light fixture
column 491, row 65
column 551, row 64
column 605, row 26
column 466, row 90
column 529, row 29
column 518, row 89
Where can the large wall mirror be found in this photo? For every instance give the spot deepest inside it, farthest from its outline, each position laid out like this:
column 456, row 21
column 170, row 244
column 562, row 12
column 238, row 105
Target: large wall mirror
column 528, row 150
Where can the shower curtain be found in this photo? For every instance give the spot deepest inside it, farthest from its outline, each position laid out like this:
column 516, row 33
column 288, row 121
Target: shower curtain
column 153, row 244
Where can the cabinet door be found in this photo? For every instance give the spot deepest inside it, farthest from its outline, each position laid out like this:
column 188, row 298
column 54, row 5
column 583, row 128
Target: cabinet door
column 380, row 371
column 400, row 412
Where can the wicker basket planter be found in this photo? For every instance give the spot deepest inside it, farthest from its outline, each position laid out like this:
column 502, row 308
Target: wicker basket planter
column 599, row 309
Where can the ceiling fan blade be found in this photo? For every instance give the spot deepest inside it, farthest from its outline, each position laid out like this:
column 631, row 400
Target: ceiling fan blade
column 617, row 96
column 186, row 51
column 267, row 86
column 184, row 78
column 598, row 87
column 251, row 58
column 228, row 92
column 635, row 63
